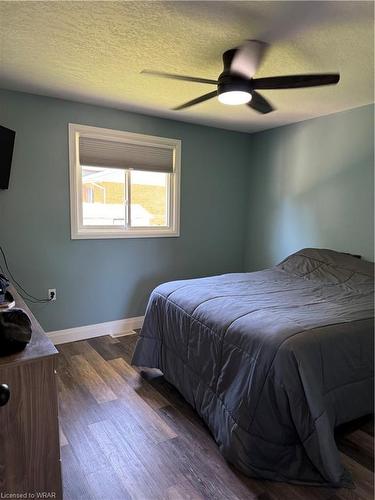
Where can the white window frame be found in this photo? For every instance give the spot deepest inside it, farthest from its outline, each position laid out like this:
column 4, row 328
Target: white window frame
column 80, row 231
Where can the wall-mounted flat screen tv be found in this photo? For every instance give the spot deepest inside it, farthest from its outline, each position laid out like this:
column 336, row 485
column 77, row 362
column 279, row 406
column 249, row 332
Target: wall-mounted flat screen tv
column 7, row 137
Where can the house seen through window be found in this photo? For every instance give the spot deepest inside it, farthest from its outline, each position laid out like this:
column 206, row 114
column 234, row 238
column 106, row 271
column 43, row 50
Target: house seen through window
column 104, row 197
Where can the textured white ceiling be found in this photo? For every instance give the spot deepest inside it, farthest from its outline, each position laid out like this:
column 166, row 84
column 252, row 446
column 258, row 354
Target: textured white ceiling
column 94, row 52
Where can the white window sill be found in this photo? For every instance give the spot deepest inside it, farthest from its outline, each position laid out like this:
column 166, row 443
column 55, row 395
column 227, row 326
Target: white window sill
column 87, row 234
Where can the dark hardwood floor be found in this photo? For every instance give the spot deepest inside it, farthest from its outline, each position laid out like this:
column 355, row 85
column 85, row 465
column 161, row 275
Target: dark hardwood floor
column 130, row 435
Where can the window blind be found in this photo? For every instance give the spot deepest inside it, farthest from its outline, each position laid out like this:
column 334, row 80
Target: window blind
column 114, row 154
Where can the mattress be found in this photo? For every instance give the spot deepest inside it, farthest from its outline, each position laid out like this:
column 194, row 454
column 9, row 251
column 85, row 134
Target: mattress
column 271, row 360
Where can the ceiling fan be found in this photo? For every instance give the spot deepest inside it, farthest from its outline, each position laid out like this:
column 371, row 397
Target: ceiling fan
column 237, row 85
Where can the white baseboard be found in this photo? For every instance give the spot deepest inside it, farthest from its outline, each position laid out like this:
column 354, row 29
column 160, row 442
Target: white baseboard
column 117, row 328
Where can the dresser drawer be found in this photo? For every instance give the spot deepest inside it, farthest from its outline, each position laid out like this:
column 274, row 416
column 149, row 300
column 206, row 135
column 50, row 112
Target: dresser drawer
column 29, row 434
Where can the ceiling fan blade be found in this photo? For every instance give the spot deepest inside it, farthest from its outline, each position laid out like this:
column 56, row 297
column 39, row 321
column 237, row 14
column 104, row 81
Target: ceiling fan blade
column 296, row 81
column 260, row 104
column 197, row 100
column 248, row 57
column 179, row 77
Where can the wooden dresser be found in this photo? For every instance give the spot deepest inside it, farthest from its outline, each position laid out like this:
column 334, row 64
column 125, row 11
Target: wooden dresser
column 29, row 428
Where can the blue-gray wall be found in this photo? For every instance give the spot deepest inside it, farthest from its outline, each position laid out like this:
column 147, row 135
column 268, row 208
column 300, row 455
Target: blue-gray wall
column 103, row 280
column 311, row 184
column 247, row 201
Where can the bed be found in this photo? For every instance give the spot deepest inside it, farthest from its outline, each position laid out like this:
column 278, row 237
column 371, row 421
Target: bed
column 271, row 360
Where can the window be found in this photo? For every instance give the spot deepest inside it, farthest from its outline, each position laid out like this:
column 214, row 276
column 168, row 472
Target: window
column 123, row 185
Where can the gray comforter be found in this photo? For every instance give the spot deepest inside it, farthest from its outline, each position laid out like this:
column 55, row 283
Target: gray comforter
column 271, row 360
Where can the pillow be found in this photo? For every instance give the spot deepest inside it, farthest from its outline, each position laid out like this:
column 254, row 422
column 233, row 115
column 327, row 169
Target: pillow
column 307, row 260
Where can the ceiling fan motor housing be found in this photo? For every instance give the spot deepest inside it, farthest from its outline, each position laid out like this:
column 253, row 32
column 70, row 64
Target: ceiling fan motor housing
column 229, row 82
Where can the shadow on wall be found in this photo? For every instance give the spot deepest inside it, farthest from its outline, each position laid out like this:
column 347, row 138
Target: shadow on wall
column 316, row 183
column 311, row 156
column 326, row 215
column 141, row 291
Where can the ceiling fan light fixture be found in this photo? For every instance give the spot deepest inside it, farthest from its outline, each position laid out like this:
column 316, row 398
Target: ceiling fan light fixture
column 235, row 97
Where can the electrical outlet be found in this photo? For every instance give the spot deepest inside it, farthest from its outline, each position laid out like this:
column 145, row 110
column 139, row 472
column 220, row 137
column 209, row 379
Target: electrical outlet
column 52, row 294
